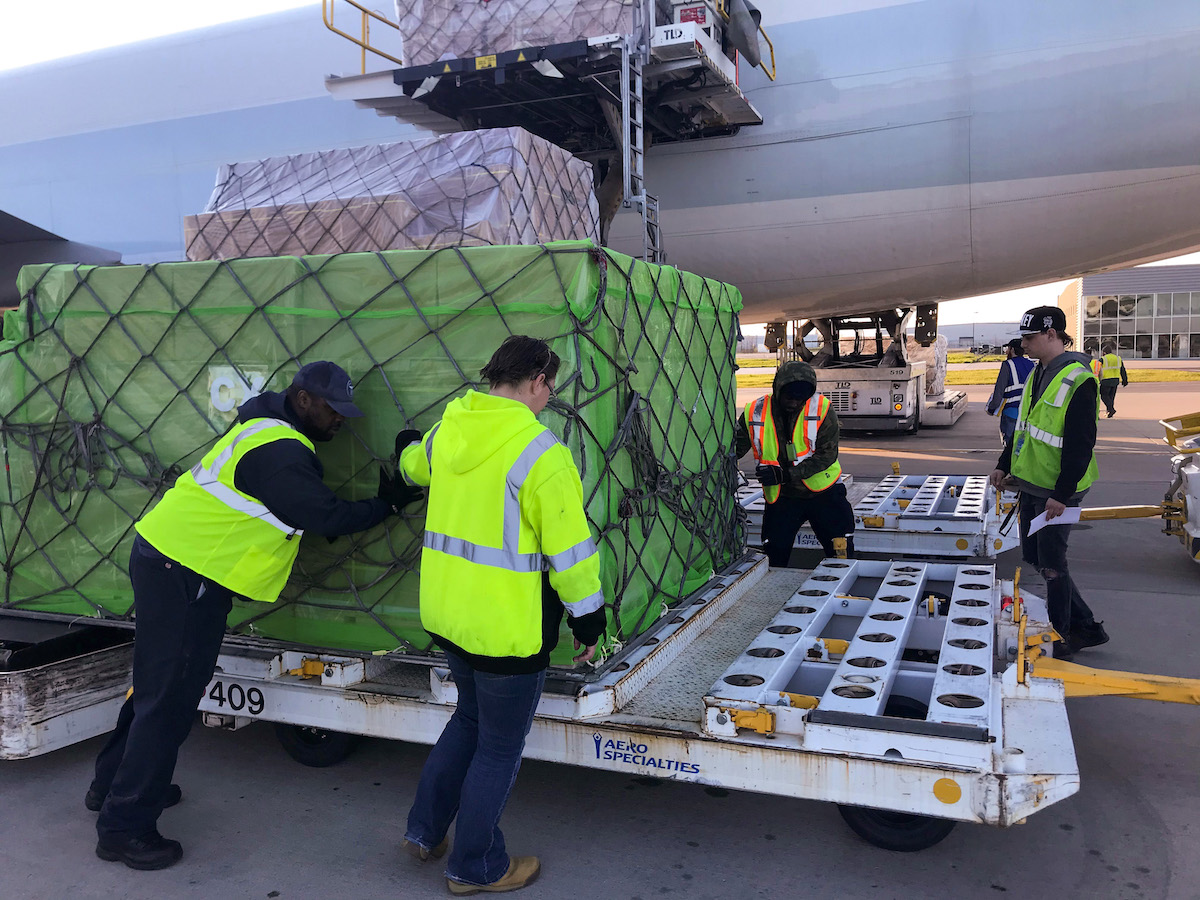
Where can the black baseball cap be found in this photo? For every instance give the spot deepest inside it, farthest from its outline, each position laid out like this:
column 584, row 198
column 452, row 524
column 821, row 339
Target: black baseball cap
column 1043, row 318
column 330, row 382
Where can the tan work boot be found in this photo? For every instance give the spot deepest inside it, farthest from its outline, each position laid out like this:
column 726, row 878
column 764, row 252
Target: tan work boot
column 522, row 870
column 418, row 852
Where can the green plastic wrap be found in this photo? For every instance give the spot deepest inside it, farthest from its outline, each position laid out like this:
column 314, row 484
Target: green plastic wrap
column 113, row 380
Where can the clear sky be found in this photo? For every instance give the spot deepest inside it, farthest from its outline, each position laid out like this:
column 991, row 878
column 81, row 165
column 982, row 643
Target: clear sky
column 33, row 31
column 1008, row 305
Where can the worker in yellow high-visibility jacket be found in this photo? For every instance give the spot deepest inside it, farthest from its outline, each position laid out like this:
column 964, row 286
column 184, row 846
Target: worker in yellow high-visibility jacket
column 231, row 525
column 505, row 506
column 1112, row 372
column 794, row 434
column 1051, row 460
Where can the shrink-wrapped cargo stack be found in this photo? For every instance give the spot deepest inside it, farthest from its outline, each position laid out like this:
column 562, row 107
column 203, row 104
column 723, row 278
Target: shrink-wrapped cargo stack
column 498, row 186
column 454, row 29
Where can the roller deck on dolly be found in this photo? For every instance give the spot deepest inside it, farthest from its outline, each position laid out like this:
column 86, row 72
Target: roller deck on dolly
column 866, row 683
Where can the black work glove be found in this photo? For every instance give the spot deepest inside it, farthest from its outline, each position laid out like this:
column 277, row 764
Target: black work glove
column 769, row 476
column 404, row 438
column 394, row 491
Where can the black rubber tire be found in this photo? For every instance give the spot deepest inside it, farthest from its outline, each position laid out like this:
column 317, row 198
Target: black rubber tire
column 901, row 832
column 315, row 747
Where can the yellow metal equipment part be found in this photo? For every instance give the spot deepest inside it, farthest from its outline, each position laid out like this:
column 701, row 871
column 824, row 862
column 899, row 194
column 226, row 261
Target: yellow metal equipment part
column 1180, row 429
column 800, row 701
column 761, row 720
column 1082, row 681
column 1120, row 512
column 309, row 668
column 839, row 547
column 364, row 40
column 723, row 9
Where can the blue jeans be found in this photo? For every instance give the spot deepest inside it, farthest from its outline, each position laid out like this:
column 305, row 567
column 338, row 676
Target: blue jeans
column 471, row 769
column 1008, row 427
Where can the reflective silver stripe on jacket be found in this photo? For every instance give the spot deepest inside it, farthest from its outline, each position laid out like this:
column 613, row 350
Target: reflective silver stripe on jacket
column 428, row 441
column 484, row 556
column 208, row 479
column 1044, row 436
column 1015, row 384
column 812, row 424
column 507, row 556
column 588, row 604
column 1064, row 387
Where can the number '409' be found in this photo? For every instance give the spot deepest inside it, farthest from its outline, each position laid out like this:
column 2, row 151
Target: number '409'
column 237, row 698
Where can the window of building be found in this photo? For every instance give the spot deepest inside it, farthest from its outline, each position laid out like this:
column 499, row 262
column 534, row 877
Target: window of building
column 1181, row 304
column 1125, row 346
column 1196, row 303
column 1125, row 326
column 1194, row 349
column 1143, row 346
column 1162, row 304
column 1091, row 308
column 1145, row 305
column 1108, row 305
column 1126, row 304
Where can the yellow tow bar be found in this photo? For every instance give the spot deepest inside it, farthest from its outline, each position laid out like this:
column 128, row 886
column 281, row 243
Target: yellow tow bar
column 1084, row 681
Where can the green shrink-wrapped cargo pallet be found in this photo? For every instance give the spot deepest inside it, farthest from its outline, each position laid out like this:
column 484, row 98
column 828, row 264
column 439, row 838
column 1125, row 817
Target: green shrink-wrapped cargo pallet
column 113, row 380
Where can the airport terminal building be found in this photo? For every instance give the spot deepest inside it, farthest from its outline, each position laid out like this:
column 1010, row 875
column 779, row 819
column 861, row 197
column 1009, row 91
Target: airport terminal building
column 1149, row 312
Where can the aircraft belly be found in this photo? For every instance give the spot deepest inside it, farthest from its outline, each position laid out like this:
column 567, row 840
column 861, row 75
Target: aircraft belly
column 860, row 252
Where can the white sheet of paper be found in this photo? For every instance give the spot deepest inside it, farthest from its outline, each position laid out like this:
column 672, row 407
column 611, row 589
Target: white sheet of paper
column 1069, row 517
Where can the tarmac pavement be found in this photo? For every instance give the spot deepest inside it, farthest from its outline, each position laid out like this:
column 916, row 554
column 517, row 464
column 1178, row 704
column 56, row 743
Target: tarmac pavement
column 254, row 824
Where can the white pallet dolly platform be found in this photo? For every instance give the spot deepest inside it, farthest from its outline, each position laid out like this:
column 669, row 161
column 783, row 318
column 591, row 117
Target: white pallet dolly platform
column 988, row 750
column 912, row 515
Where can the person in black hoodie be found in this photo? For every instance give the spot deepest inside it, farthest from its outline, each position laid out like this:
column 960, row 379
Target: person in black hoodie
column 794, row 434
column 227, row 527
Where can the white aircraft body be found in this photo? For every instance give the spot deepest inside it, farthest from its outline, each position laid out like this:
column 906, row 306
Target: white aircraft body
column 937, row 149
column 911, row 151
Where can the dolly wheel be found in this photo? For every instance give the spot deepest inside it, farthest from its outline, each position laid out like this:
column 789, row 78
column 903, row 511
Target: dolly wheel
column 903, row 832
column 315, row 747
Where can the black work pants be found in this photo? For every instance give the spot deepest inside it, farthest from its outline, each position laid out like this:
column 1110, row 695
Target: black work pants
column 1108, row 393
column 829, row 513
column 180, row 621
column 1046, row 551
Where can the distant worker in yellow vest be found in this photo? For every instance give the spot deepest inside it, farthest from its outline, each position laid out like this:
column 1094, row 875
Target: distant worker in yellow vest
column 507, row 547
column 1112, row 373
column 229, row 526
column 1051, row 460
column 794, row 434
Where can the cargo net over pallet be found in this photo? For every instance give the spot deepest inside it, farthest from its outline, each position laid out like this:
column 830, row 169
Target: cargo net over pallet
column 116, row 379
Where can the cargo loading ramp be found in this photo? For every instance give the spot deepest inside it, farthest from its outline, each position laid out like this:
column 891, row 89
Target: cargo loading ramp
column 948, row 516
column 556, row 91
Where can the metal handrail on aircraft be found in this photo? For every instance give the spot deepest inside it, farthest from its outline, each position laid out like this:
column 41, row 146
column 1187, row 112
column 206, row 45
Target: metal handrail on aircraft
column 327, row 14
column 723, row 11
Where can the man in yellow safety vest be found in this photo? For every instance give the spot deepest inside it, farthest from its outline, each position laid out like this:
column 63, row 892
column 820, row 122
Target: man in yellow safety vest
column 231, row 525
column 1051, row 460
column 794, row 434
column 1112, row 372
column 507, row 547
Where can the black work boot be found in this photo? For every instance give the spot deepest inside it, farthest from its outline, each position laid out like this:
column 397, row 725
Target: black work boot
column 93, row 799
column 1090, row 635
column 147, row 851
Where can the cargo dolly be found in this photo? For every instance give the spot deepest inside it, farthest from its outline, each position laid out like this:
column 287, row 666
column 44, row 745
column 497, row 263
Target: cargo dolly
column 914, row 695
column 943, row 516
